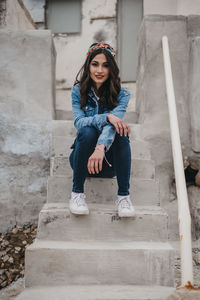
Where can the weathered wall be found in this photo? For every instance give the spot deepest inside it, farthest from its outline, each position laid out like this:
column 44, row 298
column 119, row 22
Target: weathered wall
column 26, row 111
column 152, row 102
column 27, row 74
column 194, row 87
column 188, row 7
column 161, row 7
column 24, row 168
column 15, row 16
column 37, row 10
column 2, row 13
column 171, row 7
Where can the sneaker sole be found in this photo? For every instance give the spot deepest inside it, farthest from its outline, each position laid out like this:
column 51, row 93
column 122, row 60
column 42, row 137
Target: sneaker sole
column 126, row 215
column 76, row 212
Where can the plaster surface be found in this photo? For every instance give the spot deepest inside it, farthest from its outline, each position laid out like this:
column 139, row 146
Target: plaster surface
column 171, row 7
column 194, row 93
column 24, row 168
column 27, row 74
column 152, row 101
column 36, row 8
column 17, row 16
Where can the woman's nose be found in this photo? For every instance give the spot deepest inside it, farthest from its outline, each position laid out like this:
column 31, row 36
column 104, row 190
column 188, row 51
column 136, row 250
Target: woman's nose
column 100, row 68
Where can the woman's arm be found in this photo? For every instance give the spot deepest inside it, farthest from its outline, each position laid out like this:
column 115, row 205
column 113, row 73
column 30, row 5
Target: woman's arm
column 107, row 135
column 120, row 125
column 95, row 161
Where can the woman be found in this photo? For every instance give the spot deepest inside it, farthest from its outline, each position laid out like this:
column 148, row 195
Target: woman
column 101, row 148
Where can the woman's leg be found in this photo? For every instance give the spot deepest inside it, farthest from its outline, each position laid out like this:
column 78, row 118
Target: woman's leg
column 122, row 163
column 84, row 147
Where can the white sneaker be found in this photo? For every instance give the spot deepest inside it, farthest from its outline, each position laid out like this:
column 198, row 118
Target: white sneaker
column 125, row 207
column 77, row 204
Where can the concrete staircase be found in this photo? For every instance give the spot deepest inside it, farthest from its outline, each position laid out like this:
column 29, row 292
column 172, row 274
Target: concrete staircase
column 100, row 256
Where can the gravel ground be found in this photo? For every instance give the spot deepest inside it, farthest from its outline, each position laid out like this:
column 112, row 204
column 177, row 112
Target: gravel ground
column 10, row 292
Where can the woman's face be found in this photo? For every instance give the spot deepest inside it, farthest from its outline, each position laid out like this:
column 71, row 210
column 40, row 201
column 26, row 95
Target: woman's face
column 99, row 69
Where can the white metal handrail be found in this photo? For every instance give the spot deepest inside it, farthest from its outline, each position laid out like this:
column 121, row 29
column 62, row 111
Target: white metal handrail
column 184, row 217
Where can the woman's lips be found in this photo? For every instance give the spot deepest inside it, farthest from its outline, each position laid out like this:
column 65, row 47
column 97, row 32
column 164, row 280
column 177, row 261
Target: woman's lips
column 99, row 76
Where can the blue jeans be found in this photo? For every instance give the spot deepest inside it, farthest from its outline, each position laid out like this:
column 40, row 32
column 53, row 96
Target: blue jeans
column 119, row 155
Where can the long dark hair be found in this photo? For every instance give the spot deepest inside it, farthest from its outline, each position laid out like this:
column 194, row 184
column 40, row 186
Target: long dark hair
column 109, row 90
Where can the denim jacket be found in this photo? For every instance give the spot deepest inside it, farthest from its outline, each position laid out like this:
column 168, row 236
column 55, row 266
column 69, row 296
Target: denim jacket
column 92, row 115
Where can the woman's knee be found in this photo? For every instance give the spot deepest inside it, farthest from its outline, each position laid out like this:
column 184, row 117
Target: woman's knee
column 87, row 134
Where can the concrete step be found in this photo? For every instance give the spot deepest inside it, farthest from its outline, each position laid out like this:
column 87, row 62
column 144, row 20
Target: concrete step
column 103, row 190
column 141, row 168
column 97, row 292
column 62, row 114
column 61, row 147
column 51, row 263
column 66, row 128
column 103, row 224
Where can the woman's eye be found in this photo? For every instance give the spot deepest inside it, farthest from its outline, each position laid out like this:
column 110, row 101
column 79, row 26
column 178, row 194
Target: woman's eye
column 106, row 66
column 94, row 64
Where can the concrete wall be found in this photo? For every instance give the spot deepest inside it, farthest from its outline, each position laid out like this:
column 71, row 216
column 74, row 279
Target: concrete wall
column 171, row 7
column 37, row 10
column 24, row 168
column 27, row 74
column 16, row 16
column 2, row 13
column 188, row 7
column 193, row 23
column 151, row 96
column 26, row 111
column 161, row 7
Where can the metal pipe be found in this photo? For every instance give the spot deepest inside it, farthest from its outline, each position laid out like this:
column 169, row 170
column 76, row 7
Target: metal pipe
column 184, row 217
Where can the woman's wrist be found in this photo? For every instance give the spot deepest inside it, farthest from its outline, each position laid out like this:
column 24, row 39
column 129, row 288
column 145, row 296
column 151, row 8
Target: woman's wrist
column 100, row 147
column 107, row 117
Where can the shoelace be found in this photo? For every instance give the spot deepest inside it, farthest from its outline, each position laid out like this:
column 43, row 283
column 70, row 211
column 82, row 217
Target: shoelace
column 80, row 200
column 124, row 203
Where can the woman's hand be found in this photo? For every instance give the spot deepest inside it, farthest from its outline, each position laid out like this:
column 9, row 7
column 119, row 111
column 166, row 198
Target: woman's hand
column 95, row 161
column 120, row 125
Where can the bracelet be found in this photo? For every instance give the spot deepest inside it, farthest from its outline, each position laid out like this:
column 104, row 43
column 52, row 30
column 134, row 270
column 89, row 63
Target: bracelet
column 96, row 148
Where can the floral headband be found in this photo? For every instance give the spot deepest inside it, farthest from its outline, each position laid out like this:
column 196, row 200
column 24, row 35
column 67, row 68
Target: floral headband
column 97, row 46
